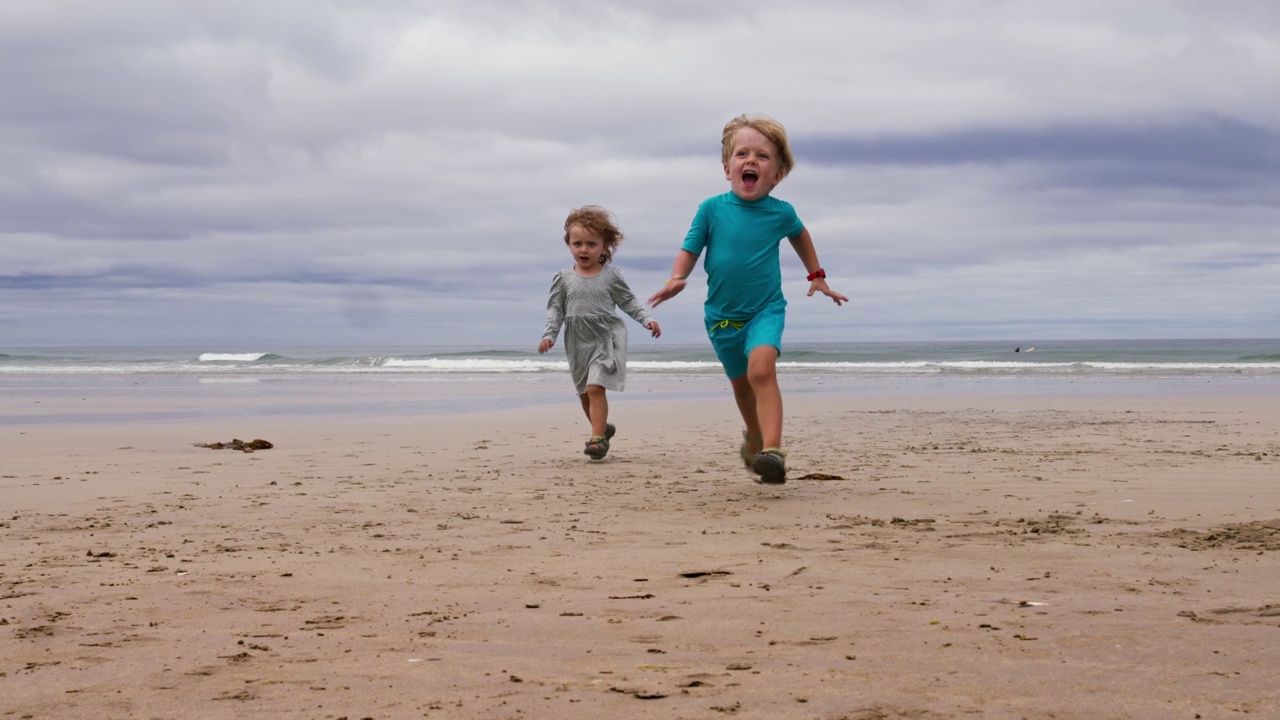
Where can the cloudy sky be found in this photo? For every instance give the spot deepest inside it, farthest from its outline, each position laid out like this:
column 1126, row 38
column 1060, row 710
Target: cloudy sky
column 270, row 173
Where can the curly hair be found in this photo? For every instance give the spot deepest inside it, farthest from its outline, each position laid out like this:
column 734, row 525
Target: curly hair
column 771, row 129
column 597, row 221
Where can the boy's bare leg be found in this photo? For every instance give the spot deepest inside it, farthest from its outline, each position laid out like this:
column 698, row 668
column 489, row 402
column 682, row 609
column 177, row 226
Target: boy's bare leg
column 596, row 405
column 745, row 397
column 762, row 375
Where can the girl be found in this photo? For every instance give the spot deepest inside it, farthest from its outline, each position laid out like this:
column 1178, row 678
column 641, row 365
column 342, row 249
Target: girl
column 595, row 339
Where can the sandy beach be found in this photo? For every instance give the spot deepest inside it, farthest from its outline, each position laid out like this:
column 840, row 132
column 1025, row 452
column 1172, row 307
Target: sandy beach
column 1047, row 556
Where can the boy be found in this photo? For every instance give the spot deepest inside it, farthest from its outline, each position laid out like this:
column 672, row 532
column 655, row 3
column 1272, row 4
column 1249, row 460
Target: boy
column 745, row 308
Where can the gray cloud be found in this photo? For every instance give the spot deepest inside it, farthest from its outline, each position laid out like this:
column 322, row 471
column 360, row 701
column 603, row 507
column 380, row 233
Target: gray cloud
column 1212, row 149
column 399, row 172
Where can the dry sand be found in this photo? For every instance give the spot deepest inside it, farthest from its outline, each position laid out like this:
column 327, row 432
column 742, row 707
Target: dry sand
column 1008, row 557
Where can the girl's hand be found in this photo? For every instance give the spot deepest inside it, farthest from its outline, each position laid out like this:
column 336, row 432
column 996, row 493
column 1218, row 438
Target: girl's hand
column 545, row 345
column 668, row 291
column 654, row 329
column 820, row 285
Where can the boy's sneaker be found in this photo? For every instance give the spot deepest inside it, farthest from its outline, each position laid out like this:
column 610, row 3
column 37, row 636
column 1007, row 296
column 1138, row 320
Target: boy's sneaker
column 597, row 448
column 770, row 465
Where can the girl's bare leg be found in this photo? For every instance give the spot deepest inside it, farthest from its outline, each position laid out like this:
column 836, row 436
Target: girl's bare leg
column 596, row 405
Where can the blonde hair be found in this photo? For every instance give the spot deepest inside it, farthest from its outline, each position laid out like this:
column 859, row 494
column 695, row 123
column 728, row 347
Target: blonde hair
column 771, row 129
column 597, row 221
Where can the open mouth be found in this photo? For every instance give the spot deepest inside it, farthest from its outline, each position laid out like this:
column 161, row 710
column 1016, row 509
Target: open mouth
column 749, row 178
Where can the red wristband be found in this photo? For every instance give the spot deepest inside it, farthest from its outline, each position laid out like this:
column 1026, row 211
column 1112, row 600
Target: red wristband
column 819, row 273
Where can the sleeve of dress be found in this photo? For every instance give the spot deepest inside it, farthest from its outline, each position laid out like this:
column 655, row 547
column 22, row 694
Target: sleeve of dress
column 627, row 300
column 555, row 308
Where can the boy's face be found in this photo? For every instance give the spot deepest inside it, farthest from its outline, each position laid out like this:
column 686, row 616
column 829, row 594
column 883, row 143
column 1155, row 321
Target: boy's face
column 753, row 165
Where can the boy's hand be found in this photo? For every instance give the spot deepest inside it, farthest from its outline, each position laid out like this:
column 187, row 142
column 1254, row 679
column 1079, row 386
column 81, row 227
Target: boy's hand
column 820, row 285
column 545, row 345
column 654, row 329
column 668, row 291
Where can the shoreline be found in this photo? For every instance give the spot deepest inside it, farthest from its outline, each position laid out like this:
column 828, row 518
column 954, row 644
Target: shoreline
column 89, row 399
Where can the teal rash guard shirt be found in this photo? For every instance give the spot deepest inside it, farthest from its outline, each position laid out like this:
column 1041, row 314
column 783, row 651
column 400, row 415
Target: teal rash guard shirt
column 739, row 244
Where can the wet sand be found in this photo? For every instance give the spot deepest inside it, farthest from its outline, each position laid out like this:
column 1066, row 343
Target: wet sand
column 1051, row 556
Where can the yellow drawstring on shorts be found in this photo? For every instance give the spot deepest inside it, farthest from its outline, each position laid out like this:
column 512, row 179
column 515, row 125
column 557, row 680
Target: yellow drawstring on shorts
column 726, row 324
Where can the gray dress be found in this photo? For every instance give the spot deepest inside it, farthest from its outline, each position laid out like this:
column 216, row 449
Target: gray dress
column 595, row 339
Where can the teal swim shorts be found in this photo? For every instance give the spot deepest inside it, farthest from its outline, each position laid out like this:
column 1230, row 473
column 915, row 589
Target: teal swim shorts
column 734, row 340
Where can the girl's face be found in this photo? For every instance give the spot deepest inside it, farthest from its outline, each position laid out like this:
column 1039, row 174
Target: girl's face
column 753, row 170
column 586, row 248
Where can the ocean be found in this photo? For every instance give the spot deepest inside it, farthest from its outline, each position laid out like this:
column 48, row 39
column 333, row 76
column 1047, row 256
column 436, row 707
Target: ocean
column 1254, row 357
column 157, row 383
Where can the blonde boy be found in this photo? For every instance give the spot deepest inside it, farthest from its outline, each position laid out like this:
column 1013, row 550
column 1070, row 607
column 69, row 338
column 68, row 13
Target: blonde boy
column 740, row 232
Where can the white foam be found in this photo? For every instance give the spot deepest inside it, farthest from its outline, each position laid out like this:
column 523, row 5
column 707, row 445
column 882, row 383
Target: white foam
column 477, row 365
column 231, row 357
